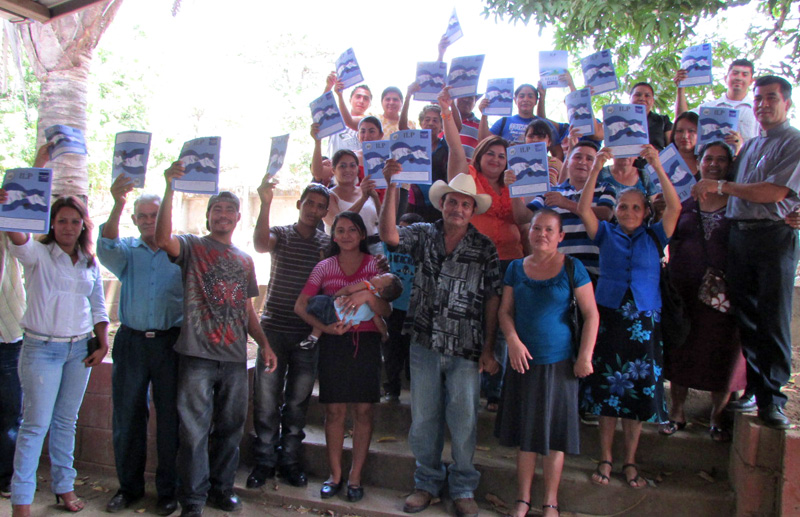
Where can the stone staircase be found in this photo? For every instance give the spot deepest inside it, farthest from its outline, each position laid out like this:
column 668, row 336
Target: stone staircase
column 687, row 472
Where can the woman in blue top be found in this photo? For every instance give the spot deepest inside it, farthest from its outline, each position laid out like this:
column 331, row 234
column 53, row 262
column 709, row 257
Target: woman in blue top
column 539, row 409
column 627, row 381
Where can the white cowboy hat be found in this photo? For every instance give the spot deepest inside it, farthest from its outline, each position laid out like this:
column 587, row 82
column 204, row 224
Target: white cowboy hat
column 463, row 184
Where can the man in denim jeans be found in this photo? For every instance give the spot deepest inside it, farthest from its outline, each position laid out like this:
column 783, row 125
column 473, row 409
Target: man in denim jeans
column 218, row 281
column 280, row 399
column 452, row 320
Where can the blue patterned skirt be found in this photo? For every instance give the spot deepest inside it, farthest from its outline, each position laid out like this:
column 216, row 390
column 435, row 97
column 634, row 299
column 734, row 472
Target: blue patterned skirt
column 628, row 359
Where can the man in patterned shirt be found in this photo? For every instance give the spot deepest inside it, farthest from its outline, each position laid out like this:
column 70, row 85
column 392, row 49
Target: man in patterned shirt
column 452, row 321
column 219, row 281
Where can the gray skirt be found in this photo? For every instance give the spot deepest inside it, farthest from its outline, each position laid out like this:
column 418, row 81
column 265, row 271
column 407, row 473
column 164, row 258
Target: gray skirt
column 539, row 409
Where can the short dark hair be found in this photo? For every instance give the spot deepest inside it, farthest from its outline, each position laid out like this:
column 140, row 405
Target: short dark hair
column 392, row 89
column 316, row 188
column 584, row 143
column 361, row 87
column 643, row 83
column 743, row 62
column 392, row 291
column 540, row 128
column 524, row 85
column 341, row 153
column 785, row 86
column 552, row 213
column 375, row 121
column 691, row 116
column 718, row 143
column 411, row 218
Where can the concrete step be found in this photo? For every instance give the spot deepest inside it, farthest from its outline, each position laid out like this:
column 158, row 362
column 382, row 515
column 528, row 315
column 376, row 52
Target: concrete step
column 689, row 449
column 390, row 466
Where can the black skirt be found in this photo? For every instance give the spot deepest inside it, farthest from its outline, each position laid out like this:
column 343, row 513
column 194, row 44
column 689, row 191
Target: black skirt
column 350, row 368
column 539, row 409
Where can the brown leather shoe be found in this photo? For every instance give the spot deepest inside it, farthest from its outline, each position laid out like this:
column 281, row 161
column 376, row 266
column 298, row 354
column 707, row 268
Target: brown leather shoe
column 466, row 507
column 417, row 501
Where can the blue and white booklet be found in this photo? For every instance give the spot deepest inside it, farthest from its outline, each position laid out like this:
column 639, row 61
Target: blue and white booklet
column 347, row 69
column 375, row 154
column 453, row 32
column 431, row 76
column 28, row 206
column 131, row 151
column 200, row 158
column 325, row 112
column 696, row 60
column 625, row 127
column 412, row 149
column 277, row 154
column 464, row 74
column 552, row 64
column 65, row 140
column 599, row 73
column 579, row 111
column 529, row 163
column 500, row 93
column 714, row 124
column 677, row 171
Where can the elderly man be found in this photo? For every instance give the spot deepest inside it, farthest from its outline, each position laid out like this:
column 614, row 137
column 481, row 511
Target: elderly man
column 763, row 249
column 151, row 314
column 452, row 320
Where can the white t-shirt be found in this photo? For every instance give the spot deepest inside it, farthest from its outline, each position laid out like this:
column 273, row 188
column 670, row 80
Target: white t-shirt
column 748, row 125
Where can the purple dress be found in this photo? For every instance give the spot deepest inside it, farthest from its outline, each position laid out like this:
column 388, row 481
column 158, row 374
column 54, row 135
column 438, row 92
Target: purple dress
column 711, row 359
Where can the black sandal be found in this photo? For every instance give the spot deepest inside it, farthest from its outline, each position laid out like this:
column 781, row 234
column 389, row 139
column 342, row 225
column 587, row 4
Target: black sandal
column 604, row 480
column 553, row 506
column 634, row 481
column 671, row 428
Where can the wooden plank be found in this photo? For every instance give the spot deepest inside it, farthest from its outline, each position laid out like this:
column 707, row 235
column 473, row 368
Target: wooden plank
column 26, row 9
column 71, row 6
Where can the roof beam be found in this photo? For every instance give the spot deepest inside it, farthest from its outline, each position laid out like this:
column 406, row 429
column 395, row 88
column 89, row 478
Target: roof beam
column 71, row 6
column 26, row 9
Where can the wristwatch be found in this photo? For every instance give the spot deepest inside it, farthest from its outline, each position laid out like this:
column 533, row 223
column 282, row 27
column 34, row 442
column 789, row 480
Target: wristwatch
column 719, row 186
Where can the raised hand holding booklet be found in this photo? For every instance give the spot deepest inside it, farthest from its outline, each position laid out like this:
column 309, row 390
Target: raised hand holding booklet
column 347, row 69
column 599, row 73
column 277, row 154
column 28, row 206
column 529, row 163
column 412, row 149
column 677, row 171
column 375, row 154
column 131, row 151
column 453, row 32
column 65, row 140
column 500, row 93
column 325, row 112
column 579, row 111
column 464, row 74
column 553, row 64
column 431, row 76
column 200, row 158
column 625, row 127
column 696, row 60
column 714, row 124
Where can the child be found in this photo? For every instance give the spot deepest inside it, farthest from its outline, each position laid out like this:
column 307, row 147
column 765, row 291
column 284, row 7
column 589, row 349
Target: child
column 386, row 286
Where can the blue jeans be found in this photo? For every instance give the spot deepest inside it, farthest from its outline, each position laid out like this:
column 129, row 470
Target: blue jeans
column 280, row 400
column 212, row 405
column 53, row 379
column 138, row 361
column 444, row 389
column 10, row 407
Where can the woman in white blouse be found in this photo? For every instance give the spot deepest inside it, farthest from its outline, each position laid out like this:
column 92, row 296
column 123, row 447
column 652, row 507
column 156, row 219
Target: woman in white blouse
column 65, row 304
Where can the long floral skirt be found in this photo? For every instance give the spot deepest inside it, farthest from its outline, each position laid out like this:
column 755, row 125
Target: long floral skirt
column 627, row 381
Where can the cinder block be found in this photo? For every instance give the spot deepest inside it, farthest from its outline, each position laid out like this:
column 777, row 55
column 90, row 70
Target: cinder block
column 790, row 487
column 95, row 411
column 97, row 446
column 746, row 438
column 100, row 378
column 756, row 491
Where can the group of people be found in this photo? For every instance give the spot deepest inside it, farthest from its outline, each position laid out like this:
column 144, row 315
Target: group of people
column 473, row 282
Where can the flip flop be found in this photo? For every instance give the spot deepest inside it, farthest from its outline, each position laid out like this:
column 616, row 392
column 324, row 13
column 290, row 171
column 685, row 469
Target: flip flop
column 603, row 478
column 634, row 482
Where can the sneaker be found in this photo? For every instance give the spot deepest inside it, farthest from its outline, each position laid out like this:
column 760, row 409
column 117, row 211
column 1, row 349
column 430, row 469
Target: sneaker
column 308, row 343
column 5, row 489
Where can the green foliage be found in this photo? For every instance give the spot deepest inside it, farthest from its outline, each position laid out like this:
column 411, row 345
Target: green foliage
column 18, row 123
column 648, row 36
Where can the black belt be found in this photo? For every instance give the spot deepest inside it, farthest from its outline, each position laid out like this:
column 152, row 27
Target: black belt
column 152, row 333
column 756, row 224
column 373, row 239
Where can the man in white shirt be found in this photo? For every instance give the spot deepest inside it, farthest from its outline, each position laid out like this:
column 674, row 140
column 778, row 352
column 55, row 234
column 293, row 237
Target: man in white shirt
column 738, row 79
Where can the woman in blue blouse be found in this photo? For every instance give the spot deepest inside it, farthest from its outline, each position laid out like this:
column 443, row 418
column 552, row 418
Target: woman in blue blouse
column 627, row 382
column 539, row 409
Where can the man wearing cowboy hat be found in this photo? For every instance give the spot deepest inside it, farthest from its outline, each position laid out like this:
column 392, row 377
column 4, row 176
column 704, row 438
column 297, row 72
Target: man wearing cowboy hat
column 452, row 321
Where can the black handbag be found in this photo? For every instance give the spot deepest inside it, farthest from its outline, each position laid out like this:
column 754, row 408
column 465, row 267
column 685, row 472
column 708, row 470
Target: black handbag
column 675, row 323
column 574, row 316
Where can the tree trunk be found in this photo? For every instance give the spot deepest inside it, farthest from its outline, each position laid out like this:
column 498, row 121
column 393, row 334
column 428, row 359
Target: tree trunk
column 60, row 53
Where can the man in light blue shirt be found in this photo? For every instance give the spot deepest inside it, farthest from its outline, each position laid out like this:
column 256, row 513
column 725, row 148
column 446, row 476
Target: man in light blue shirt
column 151, row 314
